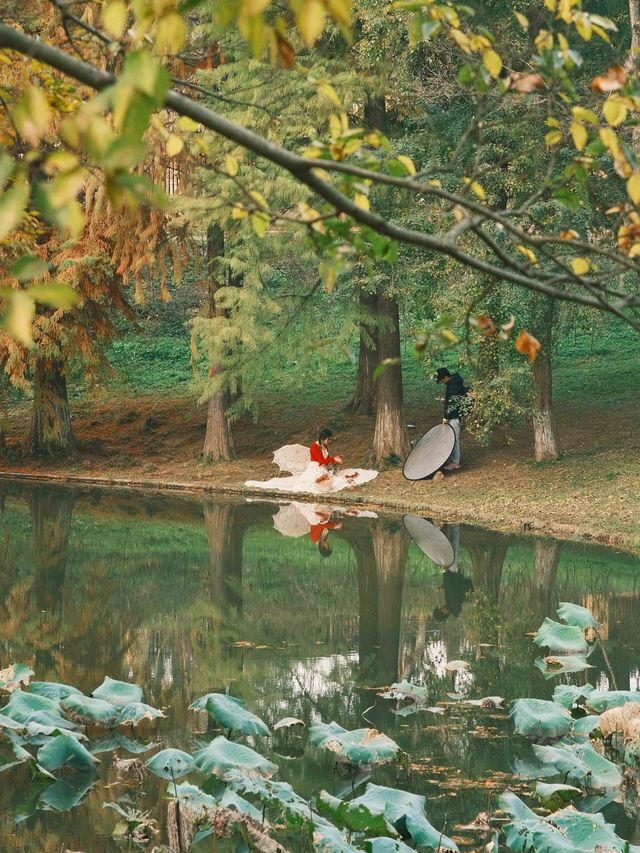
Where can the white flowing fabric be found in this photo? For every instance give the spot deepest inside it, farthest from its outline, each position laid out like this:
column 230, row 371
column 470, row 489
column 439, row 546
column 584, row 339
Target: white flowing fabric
column 306, row 481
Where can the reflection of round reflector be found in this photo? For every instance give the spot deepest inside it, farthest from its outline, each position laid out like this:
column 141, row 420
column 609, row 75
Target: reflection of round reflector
column 430, row 540
column 430, row 452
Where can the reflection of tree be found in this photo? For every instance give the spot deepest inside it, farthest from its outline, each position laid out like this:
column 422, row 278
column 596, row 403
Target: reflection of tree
column 487, row 552
column 381, row 556
column 546, row 556
column 225, row 533
column 51, row 514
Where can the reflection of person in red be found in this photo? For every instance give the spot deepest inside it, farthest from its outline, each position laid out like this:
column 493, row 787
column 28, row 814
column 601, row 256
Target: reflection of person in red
column 319, row 532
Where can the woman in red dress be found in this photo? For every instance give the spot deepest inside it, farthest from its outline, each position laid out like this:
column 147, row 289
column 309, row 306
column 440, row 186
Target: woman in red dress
column 319, row 450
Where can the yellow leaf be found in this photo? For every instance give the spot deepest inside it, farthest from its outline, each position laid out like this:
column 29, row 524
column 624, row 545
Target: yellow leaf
column 259, row 199
column 175, row 144
column 461, row 39
column 553, row 137
column 19, row 315
column 340, row 11
column 552, row 122
column 522, row 20
column 633, row 187
column 170, row 33
column 583, row 26
column 335, row 126
column 492, row 62
column 580, row 266
column 614, row 111
column 13, row 204
column 579, row 134
column 361, row 201
column 114, row 17
column 329, row 93
column 407, row 162
column 550, row 5
column 238, row 212
column 311, row 19
column 475, row 188
column 543, row 41
column 328, row 273
column 529, row 254
column 187, row 124
column 609, row 139
column 32, row 114
column 259, row 222
column 583, row 114
column 231, row 165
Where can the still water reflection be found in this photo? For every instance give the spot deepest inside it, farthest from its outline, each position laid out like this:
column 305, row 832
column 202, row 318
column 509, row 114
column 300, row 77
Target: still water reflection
column 301, row 612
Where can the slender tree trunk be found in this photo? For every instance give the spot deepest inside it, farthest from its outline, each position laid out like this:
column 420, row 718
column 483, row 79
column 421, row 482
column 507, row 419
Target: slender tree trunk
column 546, row 445
column 390, row 440
column 51, row 430
column 224, row 539
column 546, row 557
column 367, row 601
column 218, row 440
column 634, row 25
column 390, row 550
column 487, row 559
column 364, row 397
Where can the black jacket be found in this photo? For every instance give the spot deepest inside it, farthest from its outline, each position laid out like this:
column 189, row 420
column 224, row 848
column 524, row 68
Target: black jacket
column 455, row 392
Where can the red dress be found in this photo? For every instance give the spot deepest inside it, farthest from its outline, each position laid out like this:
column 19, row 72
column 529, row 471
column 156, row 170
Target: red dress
column 316, row 530
column 318, row 456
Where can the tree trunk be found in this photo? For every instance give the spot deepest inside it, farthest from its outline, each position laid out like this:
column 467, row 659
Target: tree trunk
column 224, row 539
column 367, row 601
column 51, row 430
column 390, row 440
column 390, row 550
column 544, row 427
column 634, row 25
column 545, row 568
column 487, row 559
column 218, row 440
column 364, row 397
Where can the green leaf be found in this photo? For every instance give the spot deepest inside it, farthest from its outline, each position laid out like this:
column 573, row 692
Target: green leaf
column 574, row 614
column 135, row 712
column 231, row 714
column 28, row 708
column 116, row 740
column 18, row 316
column 569, row 695
column 28, row 267
column 406, row 690
column 146, row 74
column 561, row 664
column 170, row 764
column 89, row 711
column 223, row 756
column 118, row 693
column 561, row 638
column 53, row 293
column 361, row 746
column 581, row 764
column 386, row 845
column 603, row 700
column 14, row 675
column 13, row 204
column 68, row 793
column 555, row 796
column 540, row 719
column 52, row 690
column 65, row 750
column 294, row 808
column 356, row 817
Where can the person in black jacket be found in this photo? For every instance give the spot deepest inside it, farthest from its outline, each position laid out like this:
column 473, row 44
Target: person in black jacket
column 454, row 410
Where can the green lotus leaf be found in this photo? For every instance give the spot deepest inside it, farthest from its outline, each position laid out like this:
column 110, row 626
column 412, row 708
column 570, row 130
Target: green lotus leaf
column 581, row 765
column 14, row 675
column 12, row 753
column 68, row 793
column 135, row 712
column 360, row 746
column 193, row 797
column 294, row 808
column 170, row 764
column 329, row 839
column 356, row 817
column 583, row 727
column 567, row 639
column 540, row 719
column 231, row 800
column 223, row 756
column 574, row 614
column 555, row 796
column 65, row 750
column 406, row 690
column 53, row 690
column 287, row 723
column 116, row 740
column 28, row 708
column 89, row 711
column 569, row 695
column 565, row 831
column 555, row 665
column 603, row 700
column 13, row 725
column 386, row 845
column 231, row 714
column 118, row 693
column 406, row 813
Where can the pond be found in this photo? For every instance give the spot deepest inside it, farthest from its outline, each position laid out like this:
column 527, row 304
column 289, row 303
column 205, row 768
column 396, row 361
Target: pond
column 299, row 615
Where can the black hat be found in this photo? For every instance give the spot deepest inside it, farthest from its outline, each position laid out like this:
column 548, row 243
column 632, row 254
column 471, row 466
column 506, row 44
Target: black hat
column 441, row 372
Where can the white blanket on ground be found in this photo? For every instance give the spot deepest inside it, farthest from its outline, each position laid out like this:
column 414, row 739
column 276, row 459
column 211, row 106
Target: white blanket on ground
column 316, row 480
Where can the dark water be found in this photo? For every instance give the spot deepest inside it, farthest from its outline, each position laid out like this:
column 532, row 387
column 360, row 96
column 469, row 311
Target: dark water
column 186, row 598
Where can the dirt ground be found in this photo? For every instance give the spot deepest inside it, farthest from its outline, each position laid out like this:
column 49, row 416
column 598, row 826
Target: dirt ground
column 593, row 492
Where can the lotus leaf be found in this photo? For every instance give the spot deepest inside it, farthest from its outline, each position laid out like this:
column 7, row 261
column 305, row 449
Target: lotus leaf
column 556, row 637
column 555, row 796
column 231, row 800
column 603, row 700
column 12, row 754
column 193, row 797
column 574, row 614
column 540, row 719
column 287, row 723
column 68, row 793
column 170, row 764
column 28, row 708
column 406, row 813
column 134, row 712
column 569, row 695
column 231, row 714
column 52, row 690
column 118, row 693
column 13, row 725
column 281, row 795
column 14, row 675
column 581, row 764
column 65, row 750
column 116, row 740
column 354, row 816
column 360, row 746
column 329, row 839
column 386, row 845
column 585, row 725
column 554, row 665
column 89, row 711
column 223, row 756
column 406, row 690
column 566, row 831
